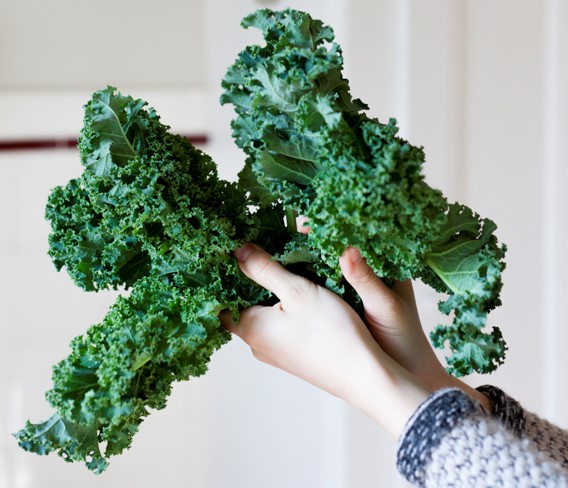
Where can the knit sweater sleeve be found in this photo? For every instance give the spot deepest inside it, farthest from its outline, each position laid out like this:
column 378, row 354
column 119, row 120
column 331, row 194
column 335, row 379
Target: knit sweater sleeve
column 547, row 437
column 451, row 442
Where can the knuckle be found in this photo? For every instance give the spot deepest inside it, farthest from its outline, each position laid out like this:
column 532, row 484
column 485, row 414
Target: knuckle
column 259, row 355
column 366, row 276
column 392, row 304
column 301, row 288
column 256, row 341
column 259, row 267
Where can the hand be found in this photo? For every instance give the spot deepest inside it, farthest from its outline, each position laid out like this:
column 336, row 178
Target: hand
column 313, row 334
column 392, row 318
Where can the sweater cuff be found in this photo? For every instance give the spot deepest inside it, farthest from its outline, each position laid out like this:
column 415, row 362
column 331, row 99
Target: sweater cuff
column 431, row 422
column 505, row 409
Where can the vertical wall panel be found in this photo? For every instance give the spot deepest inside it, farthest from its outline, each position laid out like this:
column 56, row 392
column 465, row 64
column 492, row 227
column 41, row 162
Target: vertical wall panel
column 503, row 179
column 555, row 211
column 437, row 72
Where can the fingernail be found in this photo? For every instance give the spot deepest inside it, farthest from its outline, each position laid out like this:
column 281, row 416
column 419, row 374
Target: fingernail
column 301, row 224
column 243, row 252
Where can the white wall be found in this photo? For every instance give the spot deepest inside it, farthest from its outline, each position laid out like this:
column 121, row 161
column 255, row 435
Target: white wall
column 63, row 44
column 480, row 84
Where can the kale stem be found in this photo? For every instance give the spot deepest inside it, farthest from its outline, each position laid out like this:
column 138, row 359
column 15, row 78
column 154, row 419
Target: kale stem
column 291, row 215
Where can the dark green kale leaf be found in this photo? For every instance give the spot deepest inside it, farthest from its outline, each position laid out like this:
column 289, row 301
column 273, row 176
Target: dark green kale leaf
column 148, row 215
column 314, row 150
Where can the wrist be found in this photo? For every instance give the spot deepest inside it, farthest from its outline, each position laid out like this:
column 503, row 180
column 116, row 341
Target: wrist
column 388, row 394
column 452, row 381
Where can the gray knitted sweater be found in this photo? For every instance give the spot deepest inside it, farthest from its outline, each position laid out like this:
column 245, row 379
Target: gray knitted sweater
column 451, row 442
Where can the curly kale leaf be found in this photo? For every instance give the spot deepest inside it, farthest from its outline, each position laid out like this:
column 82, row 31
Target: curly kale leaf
column 469, row 261
column 71, row 441
column 124, row 366
column 148, row 214
column 312, row 148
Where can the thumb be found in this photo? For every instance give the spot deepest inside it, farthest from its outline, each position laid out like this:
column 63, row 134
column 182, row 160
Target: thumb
column 360, row 276
column 379, row 300
column 260, row 267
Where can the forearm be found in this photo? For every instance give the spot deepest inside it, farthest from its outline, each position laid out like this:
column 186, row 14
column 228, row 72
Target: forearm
column 387, row 393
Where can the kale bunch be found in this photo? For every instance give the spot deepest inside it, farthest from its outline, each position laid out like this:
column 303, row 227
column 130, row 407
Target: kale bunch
column 312, row 148
column 148, row 215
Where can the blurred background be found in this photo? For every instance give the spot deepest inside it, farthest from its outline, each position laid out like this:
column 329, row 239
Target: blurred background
column 480, row 84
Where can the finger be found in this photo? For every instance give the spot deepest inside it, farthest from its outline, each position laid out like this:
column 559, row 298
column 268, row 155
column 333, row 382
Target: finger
column 227, row 321
column 259, row 266
column 405, row 290
column 256, row 327
column 247, row 320
column 378, row 299
column 301, row 224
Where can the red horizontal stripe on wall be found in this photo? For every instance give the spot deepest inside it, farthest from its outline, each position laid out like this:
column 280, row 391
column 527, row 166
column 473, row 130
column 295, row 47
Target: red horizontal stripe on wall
column 62, row 143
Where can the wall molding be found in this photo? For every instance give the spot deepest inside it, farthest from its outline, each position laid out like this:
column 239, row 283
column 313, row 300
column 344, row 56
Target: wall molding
column 57, row 115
